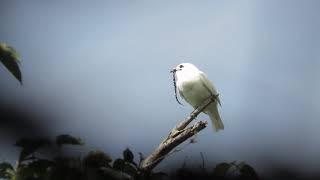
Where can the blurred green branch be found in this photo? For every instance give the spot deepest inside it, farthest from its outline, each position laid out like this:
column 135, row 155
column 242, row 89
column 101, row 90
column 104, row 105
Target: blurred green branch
column 11, row 60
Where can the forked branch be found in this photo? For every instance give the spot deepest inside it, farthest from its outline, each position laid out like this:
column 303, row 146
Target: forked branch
column 179, row 134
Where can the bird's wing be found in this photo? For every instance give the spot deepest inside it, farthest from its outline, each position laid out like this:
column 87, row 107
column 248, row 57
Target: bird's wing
column 181, row 94
column 208, row 85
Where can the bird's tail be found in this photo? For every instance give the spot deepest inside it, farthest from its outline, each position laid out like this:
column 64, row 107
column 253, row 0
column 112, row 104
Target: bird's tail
column 215, row 118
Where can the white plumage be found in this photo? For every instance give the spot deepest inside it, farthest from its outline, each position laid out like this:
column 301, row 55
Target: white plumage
column 194, row 87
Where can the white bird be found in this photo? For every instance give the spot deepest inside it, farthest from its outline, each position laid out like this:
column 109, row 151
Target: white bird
column 194, row 87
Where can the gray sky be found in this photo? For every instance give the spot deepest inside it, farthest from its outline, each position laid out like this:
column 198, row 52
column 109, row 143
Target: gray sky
column 100, row 70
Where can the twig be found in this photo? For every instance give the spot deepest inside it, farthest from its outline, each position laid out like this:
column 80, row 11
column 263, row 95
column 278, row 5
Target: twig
column 177, row 135
column 203, row 162
column 141, row 158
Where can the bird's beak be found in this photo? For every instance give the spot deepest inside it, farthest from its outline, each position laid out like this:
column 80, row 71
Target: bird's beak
column 173, row 71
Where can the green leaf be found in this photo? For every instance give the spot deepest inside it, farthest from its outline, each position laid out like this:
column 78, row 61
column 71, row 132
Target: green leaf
column 221, row 169
column 248, row 172
column 5, row 165
column 128, row 155
column 6, row 170
column 65, row 139
column 10, row 59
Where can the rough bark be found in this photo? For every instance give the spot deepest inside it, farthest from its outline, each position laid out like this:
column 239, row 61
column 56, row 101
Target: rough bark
column 179, row 134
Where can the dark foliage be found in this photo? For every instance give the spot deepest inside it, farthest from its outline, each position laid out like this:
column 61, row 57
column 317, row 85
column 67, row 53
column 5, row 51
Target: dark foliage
column 99, row 165
column 97, row 159
column 66, row 139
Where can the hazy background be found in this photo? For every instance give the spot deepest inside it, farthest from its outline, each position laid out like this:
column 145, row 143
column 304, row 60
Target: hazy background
column 100, row 70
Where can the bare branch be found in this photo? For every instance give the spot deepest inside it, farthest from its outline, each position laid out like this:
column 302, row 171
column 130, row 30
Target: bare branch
column 196, row 112
column 179, row 134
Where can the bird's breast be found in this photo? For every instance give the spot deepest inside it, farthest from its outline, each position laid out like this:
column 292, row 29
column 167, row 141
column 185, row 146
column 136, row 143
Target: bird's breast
column 187, row 84
column 193, row 91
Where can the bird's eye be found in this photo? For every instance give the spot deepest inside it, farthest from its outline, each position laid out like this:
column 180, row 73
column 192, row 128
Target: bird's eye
column 181, row 66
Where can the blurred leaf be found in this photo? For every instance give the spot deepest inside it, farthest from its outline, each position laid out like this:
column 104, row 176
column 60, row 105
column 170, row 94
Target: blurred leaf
column 129, row 169
column 184, row 173
column 159, row 176
column 30, row 172
column 128, row 155
column 11, row 173
column 193, row 140
column 65, row 168
column 119, row 164
column 24, row 172
column 24, row 154
column 40, row 166
column 221, row 169
column 66, row 162
column 67, row 139
column 247, row 172
column 6, row 170
column 10, row 59
column 29, row 146
column 97, row 159
column 110, row 173
column 5, row 165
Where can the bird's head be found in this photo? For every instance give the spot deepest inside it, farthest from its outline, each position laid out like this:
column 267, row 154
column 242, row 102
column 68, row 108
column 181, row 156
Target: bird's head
column 185, row 67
